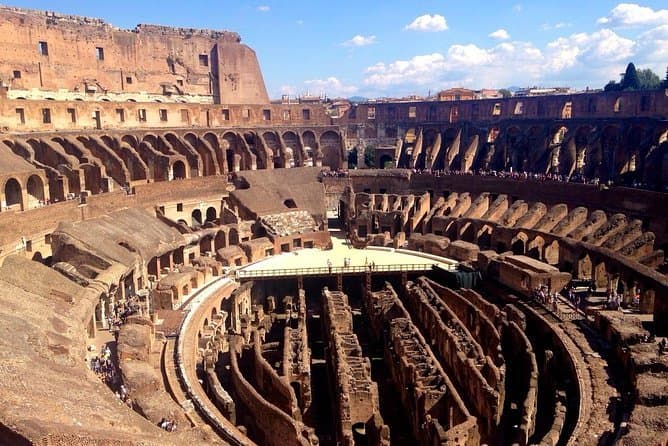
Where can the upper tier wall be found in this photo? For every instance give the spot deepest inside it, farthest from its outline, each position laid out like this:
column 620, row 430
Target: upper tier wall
column 627, row 104
column 83, row 56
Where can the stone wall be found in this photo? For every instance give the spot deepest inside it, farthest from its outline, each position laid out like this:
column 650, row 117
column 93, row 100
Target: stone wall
column 459, row 353
column 266, row 422
column 356, row 394
column 438, row 415
column 88, row 57
column 523, row 378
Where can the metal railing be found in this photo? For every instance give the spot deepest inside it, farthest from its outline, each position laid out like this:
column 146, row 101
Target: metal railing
column 325, row 270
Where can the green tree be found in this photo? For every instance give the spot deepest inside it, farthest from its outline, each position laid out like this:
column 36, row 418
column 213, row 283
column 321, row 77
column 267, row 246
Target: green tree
column 630, row 80
column 505, row 93
column 649, row 80
column 370, row 156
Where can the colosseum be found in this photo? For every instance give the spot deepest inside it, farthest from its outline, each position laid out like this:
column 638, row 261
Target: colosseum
column 184, row 261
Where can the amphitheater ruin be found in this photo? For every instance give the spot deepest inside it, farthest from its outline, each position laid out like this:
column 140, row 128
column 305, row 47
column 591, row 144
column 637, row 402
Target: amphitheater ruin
column 183, row 261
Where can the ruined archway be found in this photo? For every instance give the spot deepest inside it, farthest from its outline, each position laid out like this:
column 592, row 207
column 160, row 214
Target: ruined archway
column 35, row 189
column 211, row 214
column 13, row 193
column 179, row 170
column 196, row 217
column 332, row 149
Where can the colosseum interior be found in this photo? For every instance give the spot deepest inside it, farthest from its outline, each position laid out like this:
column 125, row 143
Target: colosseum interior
column 185, row 262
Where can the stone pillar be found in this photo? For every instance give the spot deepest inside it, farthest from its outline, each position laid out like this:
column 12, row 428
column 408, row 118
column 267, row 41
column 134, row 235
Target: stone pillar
column 647, row 303
column 103, row 313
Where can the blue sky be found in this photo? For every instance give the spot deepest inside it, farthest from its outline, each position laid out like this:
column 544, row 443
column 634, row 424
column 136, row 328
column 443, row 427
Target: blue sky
column 395, row 47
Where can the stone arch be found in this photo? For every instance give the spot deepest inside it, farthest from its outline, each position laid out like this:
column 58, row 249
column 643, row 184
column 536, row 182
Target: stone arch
column 220, row 240
column 233, row 153
column 291, row 140
column 13, row 193
column 467, row 232
column 386, row 162
column 537, row 149
column 583, row 268
column 484, row 237
column 310, row 148
column 206, row 245
column 205, row 155
column 518, row 244
column 514, row 153
column 214, row 142
column 211, row 213
column 273, row 143
column 234, row 237
column 332, row 149
column 629, row 156
column 184, row 148
column 535, row 248
column 617, row 107
column 179, row 170
column 261, row 153
column 35, row 189
column 196, row 217
column 130, row 140
column 551, row 253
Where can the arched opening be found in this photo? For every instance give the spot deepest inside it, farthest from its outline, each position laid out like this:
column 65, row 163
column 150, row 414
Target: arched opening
column 535, row 248
column 12, row 193
column 196, row 217
column 179, row 170
column 331, row 145
column 518, row 247
column 385, row 162
column 220, row 241
column 35, row 188
column 618, row 105
column 211, row 214
column 290, row 203
column 552, row 253
column 352, row 158
column 485, row 237
column 467, row 232
column 234, row 237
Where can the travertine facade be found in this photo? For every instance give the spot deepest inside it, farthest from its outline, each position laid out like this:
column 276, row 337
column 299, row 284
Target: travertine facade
column 50, row 56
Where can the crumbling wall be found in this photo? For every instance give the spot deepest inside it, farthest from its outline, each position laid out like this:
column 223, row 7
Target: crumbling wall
column 437, row 414
column 268, row 424
column 458, row 351
column 356, row 394
column 524, row 380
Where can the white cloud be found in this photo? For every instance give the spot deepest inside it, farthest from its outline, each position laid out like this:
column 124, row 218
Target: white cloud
column 558, row 25
column 581, row 59
column 428, row 22
column 263, row 8
column 330, row 86
column 288, row 89
column 631, row 14
column 500, row 34
column 360, row 40
column 517, row 7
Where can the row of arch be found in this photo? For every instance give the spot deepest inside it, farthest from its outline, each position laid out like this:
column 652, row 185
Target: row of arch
column 23, row 195
column 607, row 151
column 93, row 163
